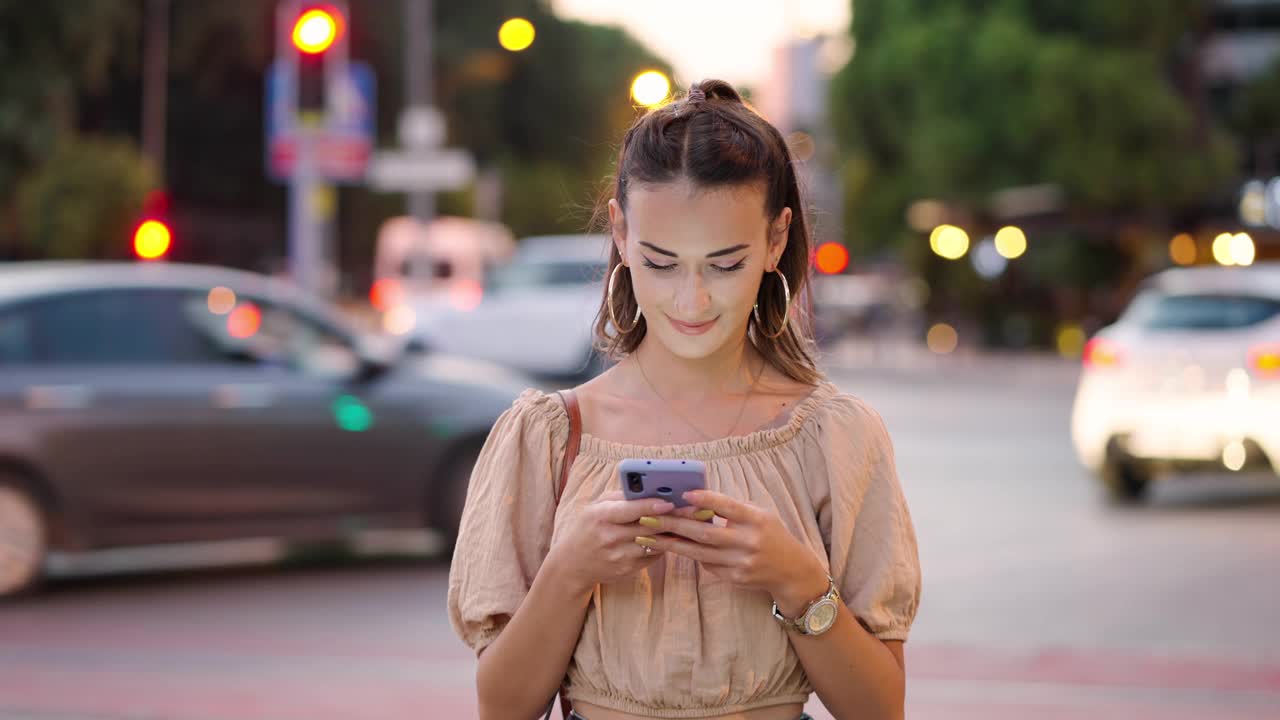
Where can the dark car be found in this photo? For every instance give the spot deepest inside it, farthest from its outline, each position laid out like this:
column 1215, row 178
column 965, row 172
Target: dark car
column 159, row 403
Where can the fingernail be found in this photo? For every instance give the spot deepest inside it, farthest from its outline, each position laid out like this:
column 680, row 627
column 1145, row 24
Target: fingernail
column 662, row 506
column 705, row 514
column 646, row 541
column 650, row 522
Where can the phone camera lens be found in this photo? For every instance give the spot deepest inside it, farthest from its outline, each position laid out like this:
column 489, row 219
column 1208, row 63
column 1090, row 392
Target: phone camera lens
column 635, row 481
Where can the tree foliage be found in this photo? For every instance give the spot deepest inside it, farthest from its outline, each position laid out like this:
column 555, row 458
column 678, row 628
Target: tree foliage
column 83, row 201
column 956, row 100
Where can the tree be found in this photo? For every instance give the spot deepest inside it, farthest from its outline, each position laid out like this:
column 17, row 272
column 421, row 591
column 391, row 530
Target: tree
column 50, row 54
column 958, row 100
column 84, row 200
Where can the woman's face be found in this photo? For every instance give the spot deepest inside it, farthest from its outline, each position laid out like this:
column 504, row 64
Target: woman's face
column 697, row 257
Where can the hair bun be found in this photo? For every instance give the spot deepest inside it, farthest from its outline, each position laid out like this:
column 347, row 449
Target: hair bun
column 718, row 90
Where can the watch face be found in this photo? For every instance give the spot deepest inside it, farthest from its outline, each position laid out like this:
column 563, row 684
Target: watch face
column 821, row 617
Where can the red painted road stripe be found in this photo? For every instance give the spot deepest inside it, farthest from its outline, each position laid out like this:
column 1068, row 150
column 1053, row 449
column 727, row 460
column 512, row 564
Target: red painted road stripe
column 1092, row 667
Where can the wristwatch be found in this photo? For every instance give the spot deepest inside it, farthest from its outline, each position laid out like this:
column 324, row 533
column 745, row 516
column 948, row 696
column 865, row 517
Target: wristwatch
column 818, row 617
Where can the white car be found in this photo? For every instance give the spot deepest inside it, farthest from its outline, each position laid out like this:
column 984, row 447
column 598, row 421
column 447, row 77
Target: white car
column 1188, row 379
column 534, row 314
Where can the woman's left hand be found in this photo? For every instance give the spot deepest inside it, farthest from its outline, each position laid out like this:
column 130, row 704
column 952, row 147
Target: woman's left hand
column 752, row 549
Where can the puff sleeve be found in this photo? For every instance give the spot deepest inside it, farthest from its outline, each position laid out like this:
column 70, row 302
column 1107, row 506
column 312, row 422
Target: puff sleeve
column 507, row 521
column 864, row 520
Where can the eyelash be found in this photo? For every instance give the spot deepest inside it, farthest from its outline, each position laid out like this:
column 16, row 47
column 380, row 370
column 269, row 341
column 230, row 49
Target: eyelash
column 740, row 264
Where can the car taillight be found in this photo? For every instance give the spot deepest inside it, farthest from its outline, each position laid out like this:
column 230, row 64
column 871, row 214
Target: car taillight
column 385, row 294
column 1264, row 361
column 1100, row 353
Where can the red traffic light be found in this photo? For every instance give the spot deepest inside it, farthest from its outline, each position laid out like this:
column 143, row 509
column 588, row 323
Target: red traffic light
column 151, row 240
column 831, row 258
column 316, row 30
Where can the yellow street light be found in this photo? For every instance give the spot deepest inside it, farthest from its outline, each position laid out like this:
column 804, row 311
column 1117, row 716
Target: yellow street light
column 516, row 34
column 1011, row 242
column 1222, row 249
column 949, row 241
column 1242, row 249
column 650, row 88
column 1182, row 249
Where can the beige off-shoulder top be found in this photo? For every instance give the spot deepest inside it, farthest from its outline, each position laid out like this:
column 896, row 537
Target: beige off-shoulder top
column 687, row 644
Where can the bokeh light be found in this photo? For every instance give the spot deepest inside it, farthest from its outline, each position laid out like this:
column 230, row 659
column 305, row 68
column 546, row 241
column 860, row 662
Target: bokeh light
column 399, row 320
column 315, row 31
column 1234, row 455
column 1242, row 249
column 466, row 294
column 351, row 414
column 1253, row 203
column 831, row 258
column 949, row 241
column 385, row 294
column 925, row 214
column 1182, row 249
column 244, row 321
column 1011, row 242
column 1070, row 340
column 221, row 300
column 1222, row 249
column 650, row 88
column 151, row 240
column 987, row 260
column 516, row 34
column 942, row 339
column 1265, row 360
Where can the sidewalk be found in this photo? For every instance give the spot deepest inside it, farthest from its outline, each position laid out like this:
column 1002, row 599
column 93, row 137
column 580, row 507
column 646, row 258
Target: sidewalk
column 907, row 358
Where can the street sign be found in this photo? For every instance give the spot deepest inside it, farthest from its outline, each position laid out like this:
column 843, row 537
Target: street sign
column 343, row 139
column 421, row 128
column 421, row 171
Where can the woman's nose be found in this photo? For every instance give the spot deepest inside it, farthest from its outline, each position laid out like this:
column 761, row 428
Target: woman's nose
column 693, row 299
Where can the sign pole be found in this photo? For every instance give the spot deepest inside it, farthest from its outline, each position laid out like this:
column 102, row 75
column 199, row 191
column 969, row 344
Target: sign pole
column 418, row 86
column 304, row 228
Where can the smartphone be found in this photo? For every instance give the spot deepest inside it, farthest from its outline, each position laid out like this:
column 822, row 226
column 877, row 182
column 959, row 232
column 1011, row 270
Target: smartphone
column 665, row 479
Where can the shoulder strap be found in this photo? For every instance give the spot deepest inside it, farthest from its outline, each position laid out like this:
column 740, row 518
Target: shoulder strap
column 575, row 438
column 570, row 454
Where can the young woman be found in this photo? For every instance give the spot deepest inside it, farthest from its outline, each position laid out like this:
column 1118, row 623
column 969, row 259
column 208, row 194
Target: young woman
column 806, row 579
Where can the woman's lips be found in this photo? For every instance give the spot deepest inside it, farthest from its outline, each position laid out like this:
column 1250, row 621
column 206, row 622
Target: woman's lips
column 689, row 329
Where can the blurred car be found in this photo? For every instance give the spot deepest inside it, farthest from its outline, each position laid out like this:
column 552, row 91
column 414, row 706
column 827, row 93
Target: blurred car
column 1188, row 379
column 863, row 305
column 534, row 314
column 158, row 403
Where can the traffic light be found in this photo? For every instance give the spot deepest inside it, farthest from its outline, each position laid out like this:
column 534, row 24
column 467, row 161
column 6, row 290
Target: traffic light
column 152, row 238
column 316, row 30
column 312, row 39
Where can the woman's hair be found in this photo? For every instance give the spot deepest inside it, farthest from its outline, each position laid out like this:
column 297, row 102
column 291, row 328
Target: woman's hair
column 713, row 138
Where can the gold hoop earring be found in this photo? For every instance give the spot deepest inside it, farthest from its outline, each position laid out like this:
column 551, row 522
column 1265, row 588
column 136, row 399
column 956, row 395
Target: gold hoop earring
column 613, row 277
column 786, row 311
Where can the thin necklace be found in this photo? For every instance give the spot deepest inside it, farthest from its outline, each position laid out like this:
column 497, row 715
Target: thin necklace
column 686, row 420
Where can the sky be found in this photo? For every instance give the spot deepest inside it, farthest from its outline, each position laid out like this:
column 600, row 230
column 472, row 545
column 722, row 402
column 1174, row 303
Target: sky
column 727, row 39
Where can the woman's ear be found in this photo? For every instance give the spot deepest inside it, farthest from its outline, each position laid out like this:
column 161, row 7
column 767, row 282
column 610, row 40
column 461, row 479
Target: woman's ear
column 779, row 232
column 618, row 228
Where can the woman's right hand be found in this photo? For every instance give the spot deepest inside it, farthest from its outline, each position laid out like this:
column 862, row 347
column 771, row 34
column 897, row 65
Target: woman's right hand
column 600, row 545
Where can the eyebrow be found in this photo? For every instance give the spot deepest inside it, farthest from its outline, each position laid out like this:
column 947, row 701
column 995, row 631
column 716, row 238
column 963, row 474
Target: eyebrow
column 718, row 253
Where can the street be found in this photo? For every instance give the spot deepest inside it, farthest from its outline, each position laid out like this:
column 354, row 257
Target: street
column 1040, row 599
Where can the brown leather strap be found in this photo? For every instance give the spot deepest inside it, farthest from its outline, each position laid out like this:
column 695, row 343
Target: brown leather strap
column 575, row 438
column 570, row 454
